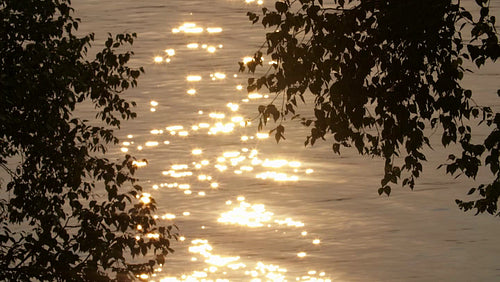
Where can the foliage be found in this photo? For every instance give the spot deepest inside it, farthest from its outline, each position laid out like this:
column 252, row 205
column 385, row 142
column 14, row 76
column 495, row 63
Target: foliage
column 385, row 75
column 66, row 212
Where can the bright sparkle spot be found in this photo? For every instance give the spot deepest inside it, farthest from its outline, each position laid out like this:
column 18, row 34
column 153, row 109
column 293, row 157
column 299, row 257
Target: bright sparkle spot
column 214, row 185
column 145, row 198
column 301, row 254
column 309, row 170
column 170, row 52
column 239, row 87
column 193, row 45
column 303, row 233
column 186, row 213
column 316, row 241
column 154, row 103
column 201, row 193
column 196, row 152
column 124, row 150
column 191, row 91
column 183, row 133
column 211, row 49
column 158, row 59
column 240, row 198
column 234, row 108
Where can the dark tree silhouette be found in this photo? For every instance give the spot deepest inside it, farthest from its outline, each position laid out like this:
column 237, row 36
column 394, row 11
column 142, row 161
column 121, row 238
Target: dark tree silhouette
column 66, row 212
column 384, row 75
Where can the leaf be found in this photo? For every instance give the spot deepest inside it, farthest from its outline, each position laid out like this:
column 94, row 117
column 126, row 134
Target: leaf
column 281, row 7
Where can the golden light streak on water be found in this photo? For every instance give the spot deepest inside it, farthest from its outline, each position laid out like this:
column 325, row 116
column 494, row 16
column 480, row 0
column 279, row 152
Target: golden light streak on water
column 156, row 131
column 277, row 176
column 255, row 96
column 196, row 152
column 221, row 127
column 168, row 216
column 302, row 254
column 183, row 133
column 188, row 28
column 214, row 29
column 193, row 45
column 215, row 115
column 290, row 222
column 175, row 128
column 274, row 163
column 262, row 135
column 139, row 163
column 184, row 186
column 219, row 75
column 193, row 78
column 151, row 144
column 153, row 235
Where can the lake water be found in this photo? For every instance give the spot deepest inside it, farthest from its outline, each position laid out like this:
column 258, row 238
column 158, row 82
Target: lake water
column 251, row 209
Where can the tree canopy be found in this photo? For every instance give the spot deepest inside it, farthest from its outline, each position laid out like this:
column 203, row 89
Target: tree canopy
column 385, row 75
column 66, row 212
